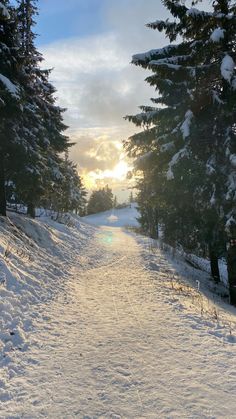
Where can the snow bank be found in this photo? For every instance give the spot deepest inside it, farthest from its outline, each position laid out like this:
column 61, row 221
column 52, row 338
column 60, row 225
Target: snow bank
column 188, row 282
column 35, row 259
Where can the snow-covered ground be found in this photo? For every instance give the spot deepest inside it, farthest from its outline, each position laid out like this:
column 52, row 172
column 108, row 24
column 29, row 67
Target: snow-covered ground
column 111, row 327
column 115, row 217
column 36, row 257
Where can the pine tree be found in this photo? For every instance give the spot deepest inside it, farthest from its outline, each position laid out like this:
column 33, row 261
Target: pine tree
column 31, row 129
column 11, row 146
column 72, row 195
column 65, row 191
column 189, row 144
column 100, row 200
column 42, row 127
column 81, row 207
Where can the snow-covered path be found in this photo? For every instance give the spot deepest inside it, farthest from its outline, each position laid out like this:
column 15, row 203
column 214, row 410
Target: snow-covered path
column 112, row 346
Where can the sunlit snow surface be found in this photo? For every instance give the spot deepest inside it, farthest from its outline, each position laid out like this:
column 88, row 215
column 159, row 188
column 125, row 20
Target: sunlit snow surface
column 115, row 334
column 115, row 217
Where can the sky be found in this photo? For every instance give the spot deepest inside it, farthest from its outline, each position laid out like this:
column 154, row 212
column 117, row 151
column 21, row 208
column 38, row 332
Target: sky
column 89, row 44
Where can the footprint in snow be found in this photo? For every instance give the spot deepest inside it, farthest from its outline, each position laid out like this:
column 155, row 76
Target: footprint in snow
column 123, row 372
column 154, row 266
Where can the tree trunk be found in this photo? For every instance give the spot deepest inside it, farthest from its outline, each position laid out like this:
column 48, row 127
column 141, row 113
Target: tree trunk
column 231, row 266
column 156, row 218
column 153, row 224
column 31, row 210
column 214, row 261
column 3, row 203
column 153, row 230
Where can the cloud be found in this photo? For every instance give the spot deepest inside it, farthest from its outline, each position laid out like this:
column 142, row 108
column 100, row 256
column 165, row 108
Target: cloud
column 93, row 75
column 98, row 85
column 95, row 80
column 96, row 153
column 129, row 18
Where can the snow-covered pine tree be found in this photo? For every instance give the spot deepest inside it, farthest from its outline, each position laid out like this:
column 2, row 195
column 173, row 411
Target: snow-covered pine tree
column 163, row 142
column 27, row 10
column 70, row 195
column 31, row 128
column 212, row 139
column 100, row 200
column 10, row 97
column 65, row 193
column 81, row 205
column 203, row 112
column 43, row 125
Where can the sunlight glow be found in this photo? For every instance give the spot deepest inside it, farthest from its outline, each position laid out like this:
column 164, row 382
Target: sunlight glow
column 120, row 170
column 118, row 173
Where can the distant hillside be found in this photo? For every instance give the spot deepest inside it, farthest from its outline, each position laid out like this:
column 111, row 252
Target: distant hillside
column 115, row 217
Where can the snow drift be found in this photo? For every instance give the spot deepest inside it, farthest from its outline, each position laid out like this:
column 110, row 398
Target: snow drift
column 35, row 259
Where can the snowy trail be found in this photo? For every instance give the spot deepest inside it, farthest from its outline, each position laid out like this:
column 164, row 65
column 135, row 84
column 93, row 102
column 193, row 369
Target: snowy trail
column 112, row 346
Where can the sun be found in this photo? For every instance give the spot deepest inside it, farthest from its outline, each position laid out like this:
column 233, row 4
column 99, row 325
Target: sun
column 120, row 170
column 116, row 175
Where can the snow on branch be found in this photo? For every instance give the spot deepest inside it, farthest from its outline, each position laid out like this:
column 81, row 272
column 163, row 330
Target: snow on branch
column 191, row 70
column 149, row 55
column 231, row 185
column 175, row 60
column 217, row 35
column 167, row 147
column 156, row 63
column 175, row 159
column 216, row 98
column 210, row 169
column 185, row 127
column 233, row 160
column 11, row 87
column 143, row 118
column 227, row 67
column 193, row 12
column 231, row 222
column 3, row 11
